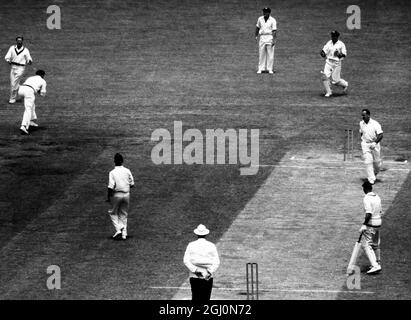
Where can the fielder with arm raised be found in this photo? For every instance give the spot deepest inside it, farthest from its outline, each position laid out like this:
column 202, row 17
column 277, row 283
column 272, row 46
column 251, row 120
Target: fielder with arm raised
column 28, row 90
column 334, row 52
column 17, row 57
column 266, row 28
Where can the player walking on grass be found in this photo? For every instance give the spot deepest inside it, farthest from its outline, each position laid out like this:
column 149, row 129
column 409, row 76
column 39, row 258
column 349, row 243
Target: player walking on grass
column 17, row 57
column 28, row 90
column 371, row 135
column 370, row 229
column 266, row 28
column 201, row 258
column 118, row 193
column 334, row 52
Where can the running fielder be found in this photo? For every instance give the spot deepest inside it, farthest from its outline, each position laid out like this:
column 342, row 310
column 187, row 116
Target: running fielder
column 334, row 52
column 17, row 57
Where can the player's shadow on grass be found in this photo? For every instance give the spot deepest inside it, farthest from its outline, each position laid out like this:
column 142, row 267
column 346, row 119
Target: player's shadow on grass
column 129, row 238
column 378, row 180
column 35, row 129
column 32, row 130
column 334, row 95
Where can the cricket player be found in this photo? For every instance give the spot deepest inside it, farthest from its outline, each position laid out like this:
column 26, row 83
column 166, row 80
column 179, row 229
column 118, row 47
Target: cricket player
column 370, row 229
column 18, row 57
column 371, row 135
column 120, row 182
column 334, row 52
column 266, row 28
column 201, row 258
column 28, row 90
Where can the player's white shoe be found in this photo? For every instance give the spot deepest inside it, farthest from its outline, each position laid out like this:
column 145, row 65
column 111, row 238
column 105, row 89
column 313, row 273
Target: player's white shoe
column 11, row 101
column 375, row 269
column 33, row 124
column 260, row 71
column 270, row 72
column 328, row 94
column 23, row 129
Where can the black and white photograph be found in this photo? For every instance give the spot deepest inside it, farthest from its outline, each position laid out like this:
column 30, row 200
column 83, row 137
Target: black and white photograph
column 205, row 150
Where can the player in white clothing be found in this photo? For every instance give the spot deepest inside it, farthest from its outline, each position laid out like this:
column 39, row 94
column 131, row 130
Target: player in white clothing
column 266, row 28
column 371, row 135
column 28, row 90
column 201, row 259
column 370, row 229
column 334, row 52
column 17, row 57
column 118, row 193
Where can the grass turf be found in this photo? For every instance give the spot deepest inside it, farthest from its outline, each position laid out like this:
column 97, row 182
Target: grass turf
column 116, row 72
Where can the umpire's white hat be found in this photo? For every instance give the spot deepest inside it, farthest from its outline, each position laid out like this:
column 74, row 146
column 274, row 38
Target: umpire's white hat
column 201, row 230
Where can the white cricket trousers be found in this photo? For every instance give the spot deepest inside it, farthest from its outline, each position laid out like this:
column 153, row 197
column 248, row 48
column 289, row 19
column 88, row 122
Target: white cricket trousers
column 16, row 73
column 372, row 160
column 332, row 70
column 266, row 56
column 119, row 211
column 370, row 242
column 29, row 106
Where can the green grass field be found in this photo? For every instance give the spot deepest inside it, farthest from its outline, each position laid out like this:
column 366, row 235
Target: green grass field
column 117, row 71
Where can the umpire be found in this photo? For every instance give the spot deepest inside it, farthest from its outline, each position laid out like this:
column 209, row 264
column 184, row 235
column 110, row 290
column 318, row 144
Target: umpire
column 201, row 258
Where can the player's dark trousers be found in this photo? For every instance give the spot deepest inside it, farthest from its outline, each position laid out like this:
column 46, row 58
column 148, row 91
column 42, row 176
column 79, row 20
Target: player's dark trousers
column 201, row 289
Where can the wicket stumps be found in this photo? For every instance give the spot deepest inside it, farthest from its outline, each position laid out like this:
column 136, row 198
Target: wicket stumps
column 349, row 145
column 252, row 280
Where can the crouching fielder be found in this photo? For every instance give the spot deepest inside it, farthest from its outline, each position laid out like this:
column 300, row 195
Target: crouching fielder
column 334, row 51
column 28, row 90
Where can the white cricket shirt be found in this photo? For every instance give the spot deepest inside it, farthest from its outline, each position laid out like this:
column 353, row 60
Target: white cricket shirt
column 120, row 179
column 266, row 28
column 201, row 253
column 370, row 130
column 37, row 83
column 330, row 50
column 20, row 56
column 372, row 205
